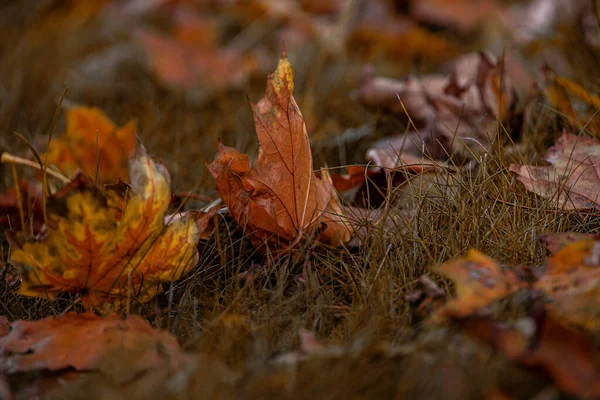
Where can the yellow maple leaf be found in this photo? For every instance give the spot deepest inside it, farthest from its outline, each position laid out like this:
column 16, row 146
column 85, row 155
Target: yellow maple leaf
column 92, row 142
column 110, row 247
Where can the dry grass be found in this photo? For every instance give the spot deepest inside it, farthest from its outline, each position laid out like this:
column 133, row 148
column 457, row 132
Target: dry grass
column 353, row 298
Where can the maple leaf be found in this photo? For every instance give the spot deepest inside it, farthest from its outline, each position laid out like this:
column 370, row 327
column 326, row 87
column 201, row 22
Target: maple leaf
column 479, row 282
column 571, row 282
column 85, row 342
column 566, row 355
column 558, row 241
column 91, row 141
column 573, row 179
column 110, row 247
column 280, row 195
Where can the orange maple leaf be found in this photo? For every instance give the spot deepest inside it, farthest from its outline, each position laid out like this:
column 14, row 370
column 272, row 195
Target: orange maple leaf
column 572, row 283
column 91, row 141
column 84, row 342
column 479, row 280
column 279, row 197
column 110, row 247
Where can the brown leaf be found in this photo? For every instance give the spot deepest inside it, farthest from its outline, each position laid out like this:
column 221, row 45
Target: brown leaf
column 405, row 97
column 184, row 59
column 571, row 282
column 479, row 281
column 85, row 342
column 573, row 178
column 279, row 198
column 378, row 28
column 567, row 356
column 450, row 113
column 558, row 241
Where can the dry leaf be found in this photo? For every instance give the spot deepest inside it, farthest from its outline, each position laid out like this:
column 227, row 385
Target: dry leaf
column 86, row 342
column 190, row 54
column 568, row 97
column 558, row 241
column 479, row 281
column 573, row 179
column 567, row 356
column 450, row 114
column 379, row 28
column 92, row 142
column 571, row 283
column 107, row 248
column 279, row 198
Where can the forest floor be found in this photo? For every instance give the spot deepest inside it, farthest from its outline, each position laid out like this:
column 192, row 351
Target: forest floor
column 364, row 319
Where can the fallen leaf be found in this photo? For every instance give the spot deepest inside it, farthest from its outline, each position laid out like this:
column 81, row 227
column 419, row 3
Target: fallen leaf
column 279, row 198
column 448, row 114
column 92, row 144
column 105, row 254
column 408, row 97
column 571, row 283
column 572, row 100
column 86, row 342
column 573, row 178
column 558, row 96
column 355, row 177
column 378, row 28
column 567, row 356
column 181, row 64
column 558, row 241
column 479, row 281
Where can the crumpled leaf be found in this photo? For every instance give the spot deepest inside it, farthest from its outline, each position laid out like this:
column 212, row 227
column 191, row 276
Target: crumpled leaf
column 450, row 113
column 567, row 356
column 106, row 248
column 86, row 342
column 573, row 178
column 558, row 241
column 279, row 198
column 479, row 282
column 571, row 282
column 91, row 140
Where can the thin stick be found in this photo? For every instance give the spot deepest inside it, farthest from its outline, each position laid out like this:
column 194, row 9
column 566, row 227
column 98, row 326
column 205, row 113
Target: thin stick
column 7, row 158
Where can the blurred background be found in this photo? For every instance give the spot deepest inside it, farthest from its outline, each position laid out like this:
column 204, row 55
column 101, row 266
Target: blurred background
column 184, row 70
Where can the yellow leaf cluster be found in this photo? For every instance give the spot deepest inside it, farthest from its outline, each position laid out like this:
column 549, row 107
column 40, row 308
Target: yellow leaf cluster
column 110, row 247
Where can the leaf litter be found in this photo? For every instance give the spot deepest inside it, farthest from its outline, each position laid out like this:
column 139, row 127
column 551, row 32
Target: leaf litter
column 431, row 180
